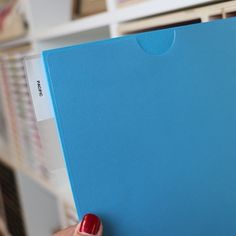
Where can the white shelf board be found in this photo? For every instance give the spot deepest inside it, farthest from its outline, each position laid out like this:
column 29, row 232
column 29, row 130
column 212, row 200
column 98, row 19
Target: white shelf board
column 15, row 42
column 75, row 26
column 154, row 7
column 139, row 10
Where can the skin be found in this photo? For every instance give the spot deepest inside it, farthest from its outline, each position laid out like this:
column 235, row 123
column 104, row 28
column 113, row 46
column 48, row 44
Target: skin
column 73, row 231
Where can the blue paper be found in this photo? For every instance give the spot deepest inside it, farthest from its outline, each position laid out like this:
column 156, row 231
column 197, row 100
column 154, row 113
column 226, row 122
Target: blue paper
column 148, row 128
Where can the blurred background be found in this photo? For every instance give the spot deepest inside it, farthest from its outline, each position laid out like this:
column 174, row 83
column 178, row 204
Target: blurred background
column 35, row 195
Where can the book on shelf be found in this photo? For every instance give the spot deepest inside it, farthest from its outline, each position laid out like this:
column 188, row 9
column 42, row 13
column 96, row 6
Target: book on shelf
column 83, row 8
column 12, row 21
column 23, row 129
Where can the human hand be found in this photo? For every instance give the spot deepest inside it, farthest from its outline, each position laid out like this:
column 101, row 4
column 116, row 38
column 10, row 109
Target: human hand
column 90, row 225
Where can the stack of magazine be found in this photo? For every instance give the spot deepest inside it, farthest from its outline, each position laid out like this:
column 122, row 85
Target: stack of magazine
column 24, row 133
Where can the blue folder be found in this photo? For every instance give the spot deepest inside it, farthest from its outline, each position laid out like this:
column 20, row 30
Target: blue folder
column 147, row 124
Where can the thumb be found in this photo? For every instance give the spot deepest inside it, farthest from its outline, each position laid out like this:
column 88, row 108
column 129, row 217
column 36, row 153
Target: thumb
column 90, row 225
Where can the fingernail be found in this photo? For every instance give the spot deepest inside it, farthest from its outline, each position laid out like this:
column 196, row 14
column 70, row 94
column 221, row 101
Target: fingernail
column 90, row 224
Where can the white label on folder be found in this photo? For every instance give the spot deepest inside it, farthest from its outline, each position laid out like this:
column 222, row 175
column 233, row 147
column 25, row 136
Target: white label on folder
column 38, row 89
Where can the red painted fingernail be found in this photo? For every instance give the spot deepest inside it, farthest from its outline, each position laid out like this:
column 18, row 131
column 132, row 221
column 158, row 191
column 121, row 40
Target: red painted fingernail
column 90, row 224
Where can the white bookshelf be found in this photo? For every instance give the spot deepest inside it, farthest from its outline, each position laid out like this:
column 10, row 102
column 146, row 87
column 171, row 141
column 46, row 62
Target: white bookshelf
column 114, row 16
column 50, row 21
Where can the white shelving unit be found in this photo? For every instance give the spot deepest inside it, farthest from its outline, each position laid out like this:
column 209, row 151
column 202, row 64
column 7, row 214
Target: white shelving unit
column 50, row 24
column 115, row 16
